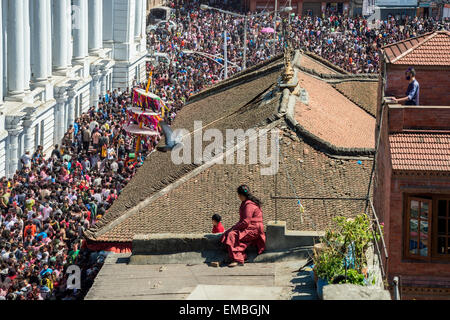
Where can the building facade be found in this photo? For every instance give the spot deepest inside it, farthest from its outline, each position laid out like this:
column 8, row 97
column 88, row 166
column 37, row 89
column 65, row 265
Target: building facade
column 305, row 7
column 57, row 57
column 412, row 182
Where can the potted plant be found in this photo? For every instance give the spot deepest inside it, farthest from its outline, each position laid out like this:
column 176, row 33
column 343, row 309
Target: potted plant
column 341, row 258
column 327, row 265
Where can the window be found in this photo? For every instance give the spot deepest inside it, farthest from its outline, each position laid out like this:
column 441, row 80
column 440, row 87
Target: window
column 418, row 233
column 443, row 227
column 427, row 227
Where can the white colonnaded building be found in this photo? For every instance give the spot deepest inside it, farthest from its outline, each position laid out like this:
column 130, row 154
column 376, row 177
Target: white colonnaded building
column 57, row 58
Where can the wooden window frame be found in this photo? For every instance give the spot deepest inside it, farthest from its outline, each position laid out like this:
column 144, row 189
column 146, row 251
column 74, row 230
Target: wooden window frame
column 432, row 200
column 435, row 253
column 407, row 229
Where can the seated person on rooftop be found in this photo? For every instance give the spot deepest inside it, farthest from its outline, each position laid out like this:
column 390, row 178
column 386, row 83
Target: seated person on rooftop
column 248, row 231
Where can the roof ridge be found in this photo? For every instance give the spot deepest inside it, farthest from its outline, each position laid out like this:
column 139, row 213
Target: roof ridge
column 420, row 43
column 406, row 40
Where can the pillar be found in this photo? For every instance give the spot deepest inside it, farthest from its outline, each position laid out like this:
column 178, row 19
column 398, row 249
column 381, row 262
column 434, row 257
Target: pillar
column 4, row 52
column 13, row 147
column 28, row 134
column 59, row 119
column 80, row 39
column 16, row 52
column 61, row 35
column 95, row 25
column 26, row 44
column 103, row 85
column 1, row 53
column 95, row 90
column 48, row 25
column 138, row 19
column 69, row 31
column 71, row 108
column 39, row 43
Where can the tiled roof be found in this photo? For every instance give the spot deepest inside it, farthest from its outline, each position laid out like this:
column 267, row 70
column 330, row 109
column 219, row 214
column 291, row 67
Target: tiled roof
column 362, row 93
column 420, row 151
column 188, row 208
column 431, row 49
column 232, row 108
column 308, row 62
column 333, row 117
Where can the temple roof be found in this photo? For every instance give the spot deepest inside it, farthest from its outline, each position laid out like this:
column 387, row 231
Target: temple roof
column 182, row 198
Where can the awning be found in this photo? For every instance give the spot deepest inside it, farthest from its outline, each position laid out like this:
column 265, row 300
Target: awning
column 134, row 129
column 147, row 94
column 139, row 111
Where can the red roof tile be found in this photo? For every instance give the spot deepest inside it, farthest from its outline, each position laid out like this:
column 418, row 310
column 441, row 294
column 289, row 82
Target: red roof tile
column 420, row 151
column 430, row 49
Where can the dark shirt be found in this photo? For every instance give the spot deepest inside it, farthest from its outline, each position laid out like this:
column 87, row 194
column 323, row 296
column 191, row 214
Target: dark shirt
column 413, row 93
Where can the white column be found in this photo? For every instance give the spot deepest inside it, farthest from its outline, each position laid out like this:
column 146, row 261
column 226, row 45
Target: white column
column 48, row 24
column 1, row 52
column 69, row 31
column 144, row 21
column 95, row 25
column 14, row 148
column 28, row 132
column 4, row 52
column 59, row 120
column 138, row 19
column 39, row 42
column 103, row 85
column 16, row 52
column 61, row 34
column 80, row 39
column 26, row 43
column 71, row 109
column 95, row 90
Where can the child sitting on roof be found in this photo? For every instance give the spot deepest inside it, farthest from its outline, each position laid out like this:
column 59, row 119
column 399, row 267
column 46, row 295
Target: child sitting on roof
column 217, row 224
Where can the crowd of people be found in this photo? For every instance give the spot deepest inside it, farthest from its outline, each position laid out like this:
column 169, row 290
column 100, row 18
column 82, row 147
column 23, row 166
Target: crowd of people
column 50, row 201
column 46, row 206
column 351, row 43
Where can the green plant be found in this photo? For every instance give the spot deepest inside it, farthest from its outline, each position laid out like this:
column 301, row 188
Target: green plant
column 353, row 277
column 328, row 264
column 346, row 247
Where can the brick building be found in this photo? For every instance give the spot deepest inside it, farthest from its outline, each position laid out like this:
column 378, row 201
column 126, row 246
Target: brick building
column 302, row 7
column 412, row 182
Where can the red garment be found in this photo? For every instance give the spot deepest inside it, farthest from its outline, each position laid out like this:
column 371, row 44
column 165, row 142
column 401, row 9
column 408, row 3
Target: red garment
column 219, row 228
column 248, row 231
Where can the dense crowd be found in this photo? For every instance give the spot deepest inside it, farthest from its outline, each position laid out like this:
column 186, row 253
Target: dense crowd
column 49, row 202
column 350, row 43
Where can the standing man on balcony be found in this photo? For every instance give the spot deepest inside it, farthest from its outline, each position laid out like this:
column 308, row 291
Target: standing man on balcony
column 412, row 93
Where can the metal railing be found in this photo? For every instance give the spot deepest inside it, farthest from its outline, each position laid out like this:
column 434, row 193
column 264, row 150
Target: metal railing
column 376, row 228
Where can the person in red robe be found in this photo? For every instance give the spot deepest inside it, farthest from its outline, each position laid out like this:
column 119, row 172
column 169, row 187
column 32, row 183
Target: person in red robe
column 248, row 231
